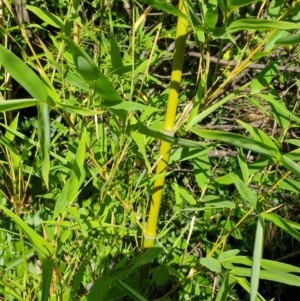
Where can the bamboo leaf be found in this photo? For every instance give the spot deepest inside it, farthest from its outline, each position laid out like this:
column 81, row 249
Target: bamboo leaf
column 44, row 247
column 202, row 169
column 165, row 6
column 100, row 289
column 77, row 175
column 90, row 72
column 47, row 271
column 146, row 257
column 291, row 39
column 46, row 16
column 17, row 104
column 44, row 140
column 261, row 25
column 280, row 277
column 282, row 223
column 291, row 165
column 259, row 136
column 270, row 265
column 130, row 291
column 211, row 263
column 245, row 192
column 281, row 113
column 23, row 74
column 257, row 255
column 241, row 3
column 226, row 288
column 239, row 141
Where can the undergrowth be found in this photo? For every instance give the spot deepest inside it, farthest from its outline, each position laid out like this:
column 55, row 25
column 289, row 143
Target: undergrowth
column 84, row 91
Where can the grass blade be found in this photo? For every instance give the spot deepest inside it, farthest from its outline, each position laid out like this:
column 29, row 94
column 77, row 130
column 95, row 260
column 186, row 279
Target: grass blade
column 17, row 69
column 257, row 255
column 44, row 247
column 47, row 271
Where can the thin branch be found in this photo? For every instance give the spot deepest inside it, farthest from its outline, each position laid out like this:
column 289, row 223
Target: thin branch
column 258, row 66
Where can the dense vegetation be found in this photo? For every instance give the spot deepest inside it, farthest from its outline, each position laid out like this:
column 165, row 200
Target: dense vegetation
column 84, row 91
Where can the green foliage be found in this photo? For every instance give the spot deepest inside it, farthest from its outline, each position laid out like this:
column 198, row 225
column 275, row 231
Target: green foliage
column 83, row 94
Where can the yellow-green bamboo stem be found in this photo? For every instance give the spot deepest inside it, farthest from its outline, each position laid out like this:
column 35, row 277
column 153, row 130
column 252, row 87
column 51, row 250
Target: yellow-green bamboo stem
column 169, row 123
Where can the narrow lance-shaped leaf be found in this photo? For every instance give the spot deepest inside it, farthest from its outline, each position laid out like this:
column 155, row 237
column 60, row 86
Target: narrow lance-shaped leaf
column 260, row 24
column 73, row 184
column 89, row 71
column 281, row 277
column 241, row 3
column 47, row 271
column 44, row 139
column 46, row 16
column 239, row 141
column 44, row 247
column 17, row 104
column 24, row 75
column 292, row 39
column 282, row 223
column 165, row 6
column 257, row 256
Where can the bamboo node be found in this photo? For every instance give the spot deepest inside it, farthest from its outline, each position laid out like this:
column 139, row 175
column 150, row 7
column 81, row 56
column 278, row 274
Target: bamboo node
column 149, row 237
column 169, row 133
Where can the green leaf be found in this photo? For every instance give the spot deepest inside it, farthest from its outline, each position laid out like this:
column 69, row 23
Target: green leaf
column 226, row 288
column 44, row 140
column 12, row 128
column 243, row 165
column 165, row 7
column 202, row 170
column 186, row 196
column 245, row 192
column 77, row 279
column 23, row 74
column 239, row 141
column 128, row 106
column 261, row 137
column 75, row 109
column 160, row 275
column 291, row 39
column 257, row 256
column 282, row 223
column 130, row 291
column 146, row 257
column 77, row 176
column 241, row 3
column 291, row 165
column 264, row 77
column 290, row 185
column 100, row 289
column 44, row 247
column 217, row 202
column 261, row 25
column 211, row 263
column 211, row 17
column 46, row 16
column 116, row 58
column 90, row 72
column 17, row 104
column 47, row 271
column 280, row 112
column 277, row 266
column 280, row 277
column 198, row 118
column 228, row 254
column 270, row 265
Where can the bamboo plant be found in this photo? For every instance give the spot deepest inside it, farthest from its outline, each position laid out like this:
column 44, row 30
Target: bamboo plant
column 168, row 128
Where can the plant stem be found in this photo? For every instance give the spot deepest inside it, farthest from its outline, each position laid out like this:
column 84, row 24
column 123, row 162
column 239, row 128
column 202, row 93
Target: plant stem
column 169, row 124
